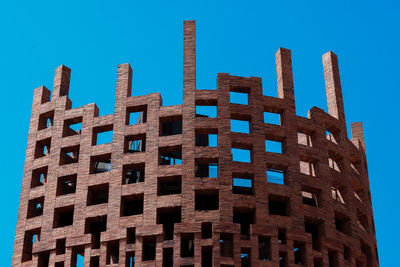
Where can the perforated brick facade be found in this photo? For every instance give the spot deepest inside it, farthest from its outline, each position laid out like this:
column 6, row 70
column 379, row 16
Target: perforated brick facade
column 147, row 197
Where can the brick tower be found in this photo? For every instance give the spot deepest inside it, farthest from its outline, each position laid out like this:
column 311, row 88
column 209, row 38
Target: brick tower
column 183, row 186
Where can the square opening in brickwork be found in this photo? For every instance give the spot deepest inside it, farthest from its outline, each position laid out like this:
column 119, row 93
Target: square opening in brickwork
column 168, row 217
column 310, row 196
column 245, row 257
column 60, row 246
column 170, row 155
column 276, row 176
column 135, row 143
column 149, row 248
column 112, row 253
column 346, row 252
column 187, row 245
column 244, row 217
column 206, row 200
column 63, row 216
column 78, row 256
column 264, row 248
column 333, row 136
column 206, row 230
column 66, row 185
column 206, row 256
column 206, row 168
column 240, row 126
column 69, row 155
column 46, row 120
column 169, row 185
column 273, row 146
column 102, row 135
column 206, row 111
column 307, row 168
column 299, row 251
column 133, row 173
column 95, row 226
column 131, row 235
column 278, row 205
column 132, row 205
column 337, row 194
column 333, row 257
column 207, row 138
column 95, row 261
column 226, row 245
column 30, row 237
column 97, row 194
column 72, row 127
column 239, row 98
column 334, row 164
column 283, row 259
column 43, row 259
column 130, row 259
column 304, row 139
column 241, row 155
column 282, row 237
column 168, row 257
column 242, row 183
column 170, row 125
column 362, row 221
column 342, row 223
column 42, row 148
column 315, row 228
column 136, row 115
column 39, row 177
column 35, row 207
column 100, row 164
column 60, row 264
column 272, row 118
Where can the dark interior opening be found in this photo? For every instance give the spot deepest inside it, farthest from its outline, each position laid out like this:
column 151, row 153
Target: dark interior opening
column 206, row 230
column 60, row 246
column 314, row 227
column 31, row 237
column 299, row 250
column 130, row 259
column 35, row 207
column 278, row 205
column 171, row 156
column 95, row 261
column 100, row 164
column 168, row 257
column 149, row 248
column 69, row 155
column 136, row 143
column 97, row 194
column 131, row 205
column 206, row 256
column 171, row 126
column 168, row 217
column 282, row 236
column 244, row 217
column 66, row 185
column 133, row 174
column 283, row 259
column 63, row 216
column 206, row 200
column 169, row 185
column 95, row 226
column 39, row 177
column 245, row 257
column 112, row 256
column 333, row 258
column 131, row 235
column 342, row 223
column 264, row 248
column 187, row 245
column 43, row 259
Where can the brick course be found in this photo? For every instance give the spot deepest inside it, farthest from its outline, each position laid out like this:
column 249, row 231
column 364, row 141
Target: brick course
column 320, row 216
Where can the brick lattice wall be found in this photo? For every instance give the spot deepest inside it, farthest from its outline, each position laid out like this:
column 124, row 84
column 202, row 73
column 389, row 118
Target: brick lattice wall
column 320, row 216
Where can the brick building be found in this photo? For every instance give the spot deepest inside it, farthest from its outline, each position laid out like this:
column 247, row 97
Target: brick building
column 209, row 182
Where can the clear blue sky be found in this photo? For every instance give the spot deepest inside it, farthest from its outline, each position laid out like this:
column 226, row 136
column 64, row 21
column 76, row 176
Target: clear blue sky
column 238, row 37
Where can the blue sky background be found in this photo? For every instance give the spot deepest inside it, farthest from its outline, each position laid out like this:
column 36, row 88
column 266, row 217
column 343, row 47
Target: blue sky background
column 238, row 37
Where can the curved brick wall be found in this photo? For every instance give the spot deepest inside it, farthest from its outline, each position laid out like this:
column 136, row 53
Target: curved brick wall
column 307, row 204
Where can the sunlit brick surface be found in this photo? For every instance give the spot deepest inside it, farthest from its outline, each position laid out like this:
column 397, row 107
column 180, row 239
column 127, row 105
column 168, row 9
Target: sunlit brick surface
column 149, row 196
